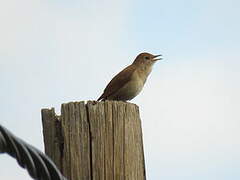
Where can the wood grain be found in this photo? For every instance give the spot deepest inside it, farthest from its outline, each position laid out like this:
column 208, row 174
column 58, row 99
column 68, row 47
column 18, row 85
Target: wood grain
column 95, row 141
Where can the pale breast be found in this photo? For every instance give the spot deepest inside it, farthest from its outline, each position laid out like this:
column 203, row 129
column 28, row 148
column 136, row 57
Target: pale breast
column 131, row 89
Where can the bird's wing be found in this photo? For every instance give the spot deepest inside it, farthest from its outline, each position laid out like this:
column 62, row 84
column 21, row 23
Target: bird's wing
column 118, row 81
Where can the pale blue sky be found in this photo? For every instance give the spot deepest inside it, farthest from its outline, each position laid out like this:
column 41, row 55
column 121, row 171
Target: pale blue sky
column 60, row 51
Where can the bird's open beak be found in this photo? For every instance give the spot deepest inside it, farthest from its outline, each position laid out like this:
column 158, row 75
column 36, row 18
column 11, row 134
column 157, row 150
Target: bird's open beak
column 155, row 57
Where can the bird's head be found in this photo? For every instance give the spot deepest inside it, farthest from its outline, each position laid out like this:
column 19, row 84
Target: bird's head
column 146, row 59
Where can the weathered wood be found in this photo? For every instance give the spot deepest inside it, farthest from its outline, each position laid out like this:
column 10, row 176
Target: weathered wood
column 95, row 141
column 52, row 135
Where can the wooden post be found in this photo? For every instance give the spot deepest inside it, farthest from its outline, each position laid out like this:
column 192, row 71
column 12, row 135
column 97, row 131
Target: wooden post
column 95, row 141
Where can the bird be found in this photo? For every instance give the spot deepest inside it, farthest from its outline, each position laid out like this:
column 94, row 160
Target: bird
column 128, row 83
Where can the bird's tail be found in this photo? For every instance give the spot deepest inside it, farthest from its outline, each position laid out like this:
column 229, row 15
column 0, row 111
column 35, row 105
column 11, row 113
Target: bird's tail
column 100, row 98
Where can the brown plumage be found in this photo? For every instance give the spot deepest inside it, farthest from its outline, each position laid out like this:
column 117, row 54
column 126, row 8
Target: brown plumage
column 129, row 82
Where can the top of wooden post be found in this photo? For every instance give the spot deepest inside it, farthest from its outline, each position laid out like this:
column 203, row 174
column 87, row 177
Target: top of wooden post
column 96, row 140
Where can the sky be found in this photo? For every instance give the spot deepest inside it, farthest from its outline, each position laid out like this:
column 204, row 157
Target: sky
column 53, row 52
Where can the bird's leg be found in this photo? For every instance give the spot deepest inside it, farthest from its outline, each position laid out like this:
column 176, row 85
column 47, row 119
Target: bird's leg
column 94, row 102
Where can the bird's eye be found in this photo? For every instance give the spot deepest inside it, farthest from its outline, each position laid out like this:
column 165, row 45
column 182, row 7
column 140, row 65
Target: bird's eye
column 147, row 58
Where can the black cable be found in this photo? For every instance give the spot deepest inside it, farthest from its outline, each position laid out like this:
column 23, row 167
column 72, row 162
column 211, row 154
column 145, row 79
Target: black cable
column 38, row 165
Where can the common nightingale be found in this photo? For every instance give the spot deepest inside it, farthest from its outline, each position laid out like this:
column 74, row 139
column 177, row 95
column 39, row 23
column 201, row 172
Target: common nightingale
column 129, row 82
